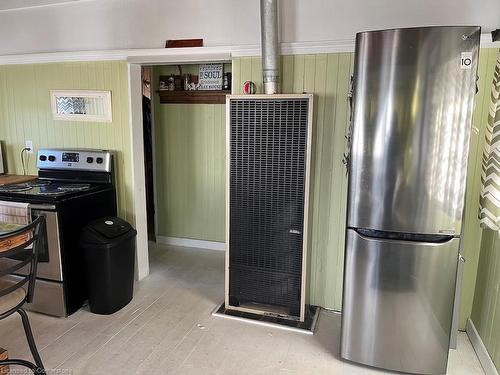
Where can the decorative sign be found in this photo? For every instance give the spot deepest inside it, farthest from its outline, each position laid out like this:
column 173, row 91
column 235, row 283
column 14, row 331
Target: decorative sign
column 210, row 77
column 466, row 60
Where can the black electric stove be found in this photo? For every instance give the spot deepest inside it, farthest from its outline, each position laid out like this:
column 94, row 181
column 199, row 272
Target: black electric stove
column 73, row 188
column 43, row 190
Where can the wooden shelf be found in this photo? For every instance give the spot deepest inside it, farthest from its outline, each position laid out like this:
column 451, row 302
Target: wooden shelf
column 193, row 97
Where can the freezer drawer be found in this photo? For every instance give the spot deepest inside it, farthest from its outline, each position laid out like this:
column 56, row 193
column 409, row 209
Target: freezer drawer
column 398, row 303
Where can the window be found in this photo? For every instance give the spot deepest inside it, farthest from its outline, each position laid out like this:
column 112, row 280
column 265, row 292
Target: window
column 81, row 105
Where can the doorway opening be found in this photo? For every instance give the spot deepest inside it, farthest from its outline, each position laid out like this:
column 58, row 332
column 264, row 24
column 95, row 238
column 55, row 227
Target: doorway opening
column 184, row 157
column 147, row 122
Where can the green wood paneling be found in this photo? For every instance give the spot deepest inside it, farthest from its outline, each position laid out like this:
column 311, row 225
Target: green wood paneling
column 327, row 76
column 190, row 165
column 486, row 294
column 486, row 307
column 25, row 114
column 190, row 158
column 472, row 231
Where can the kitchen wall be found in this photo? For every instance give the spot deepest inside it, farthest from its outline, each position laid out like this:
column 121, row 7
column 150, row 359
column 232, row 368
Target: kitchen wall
column 472, row 232
column 486, row 302
column 327, row 76
column 25, row 114
column 486, row 308
column 121, row 24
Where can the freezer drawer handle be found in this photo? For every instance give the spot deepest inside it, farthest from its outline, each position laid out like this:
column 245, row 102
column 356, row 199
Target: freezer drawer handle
column 397, row 236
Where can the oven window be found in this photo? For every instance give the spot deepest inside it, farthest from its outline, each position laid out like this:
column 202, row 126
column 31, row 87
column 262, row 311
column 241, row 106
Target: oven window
column 43, row 250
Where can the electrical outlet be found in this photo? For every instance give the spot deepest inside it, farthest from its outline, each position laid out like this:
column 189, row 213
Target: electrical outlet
column 29, row 144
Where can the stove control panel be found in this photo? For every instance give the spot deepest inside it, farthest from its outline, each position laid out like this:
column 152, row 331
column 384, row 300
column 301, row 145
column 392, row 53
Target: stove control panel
column 83, row 159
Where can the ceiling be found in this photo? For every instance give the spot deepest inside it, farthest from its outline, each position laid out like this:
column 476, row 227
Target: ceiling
column 38, row 26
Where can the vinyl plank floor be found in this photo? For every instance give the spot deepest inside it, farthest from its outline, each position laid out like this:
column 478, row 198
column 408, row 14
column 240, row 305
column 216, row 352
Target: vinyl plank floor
column 168, row 329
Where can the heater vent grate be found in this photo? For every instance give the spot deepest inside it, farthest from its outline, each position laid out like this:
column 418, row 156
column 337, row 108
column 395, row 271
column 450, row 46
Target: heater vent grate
column 268, row 157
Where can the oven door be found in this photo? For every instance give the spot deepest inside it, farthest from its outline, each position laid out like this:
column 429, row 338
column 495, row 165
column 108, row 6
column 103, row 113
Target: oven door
column 49, row 254
column 49, row 290
column 49, row 264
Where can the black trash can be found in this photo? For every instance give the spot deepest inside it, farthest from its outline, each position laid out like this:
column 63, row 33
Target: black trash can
column 109, row 251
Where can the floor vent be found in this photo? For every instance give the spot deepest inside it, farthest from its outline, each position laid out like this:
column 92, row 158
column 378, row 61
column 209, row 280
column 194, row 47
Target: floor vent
column 308, row 326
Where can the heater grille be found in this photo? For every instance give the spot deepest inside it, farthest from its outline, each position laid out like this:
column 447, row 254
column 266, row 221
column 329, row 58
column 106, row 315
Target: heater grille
column 268, row 158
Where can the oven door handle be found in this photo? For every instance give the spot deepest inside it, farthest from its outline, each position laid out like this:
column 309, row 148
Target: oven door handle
column 42, row 207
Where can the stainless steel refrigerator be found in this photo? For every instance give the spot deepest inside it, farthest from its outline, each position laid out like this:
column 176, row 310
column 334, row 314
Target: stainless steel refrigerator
column 413, row 93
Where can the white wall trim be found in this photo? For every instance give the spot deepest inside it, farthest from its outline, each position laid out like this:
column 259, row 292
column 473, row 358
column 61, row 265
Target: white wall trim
column 143, row 56
column 197, row 54
column 56, row 57
column 487, row 41
column 49, row 3
column 478, row 345
column 187, row 242
column 300, row 48
column 179, row 55
column 138, row 175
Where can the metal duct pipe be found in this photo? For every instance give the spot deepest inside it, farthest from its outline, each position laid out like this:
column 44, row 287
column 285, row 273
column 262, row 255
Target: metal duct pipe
column 270, row 47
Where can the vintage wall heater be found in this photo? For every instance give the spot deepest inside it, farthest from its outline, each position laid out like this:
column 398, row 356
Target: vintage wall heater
column 267, row 199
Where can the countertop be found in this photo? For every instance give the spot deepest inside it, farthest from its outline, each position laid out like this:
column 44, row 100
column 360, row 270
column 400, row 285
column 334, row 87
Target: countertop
column 8, row 179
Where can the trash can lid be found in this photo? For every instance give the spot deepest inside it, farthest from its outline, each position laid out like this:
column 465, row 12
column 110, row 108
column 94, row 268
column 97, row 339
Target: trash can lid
column 105, row 229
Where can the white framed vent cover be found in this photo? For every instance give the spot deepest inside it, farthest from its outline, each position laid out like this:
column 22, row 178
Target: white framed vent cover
column 81, row 105
column 267, row 202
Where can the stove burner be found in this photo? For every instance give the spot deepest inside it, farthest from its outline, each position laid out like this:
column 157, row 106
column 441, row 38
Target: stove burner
column 74, row 187
column 38, row 183
column 61, row 189
column 49, row 191
column 14, row 188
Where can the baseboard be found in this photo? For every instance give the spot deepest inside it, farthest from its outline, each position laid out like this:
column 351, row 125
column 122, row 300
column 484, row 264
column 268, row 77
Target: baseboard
column 478, row 345
column 187, row 242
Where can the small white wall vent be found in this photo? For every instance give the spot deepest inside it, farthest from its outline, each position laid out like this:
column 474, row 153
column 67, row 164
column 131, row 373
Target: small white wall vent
column 81, row 105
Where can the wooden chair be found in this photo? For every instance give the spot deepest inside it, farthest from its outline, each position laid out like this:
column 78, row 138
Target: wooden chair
column 15, row 247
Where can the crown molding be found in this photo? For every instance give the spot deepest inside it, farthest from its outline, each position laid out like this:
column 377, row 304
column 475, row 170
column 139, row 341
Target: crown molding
column 300, row 48
column 57, row 57
column 34, row 4
column 487, row 41
column 159, row 55
column 176, row 55
column 197, row 54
